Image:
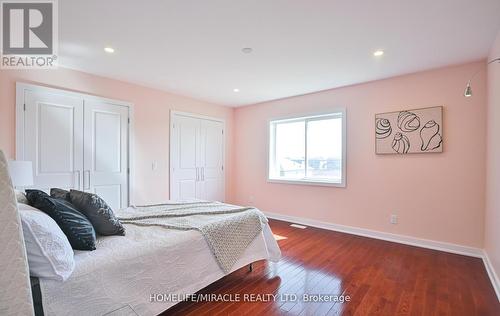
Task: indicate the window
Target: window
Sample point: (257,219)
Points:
(309,150)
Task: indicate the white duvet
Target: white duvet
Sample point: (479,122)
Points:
(120,277)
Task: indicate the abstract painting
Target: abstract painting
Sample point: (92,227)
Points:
(409,131)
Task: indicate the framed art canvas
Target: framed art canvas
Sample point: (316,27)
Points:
(409,131)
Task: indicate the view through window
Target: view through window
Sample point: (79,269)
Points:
(308,149)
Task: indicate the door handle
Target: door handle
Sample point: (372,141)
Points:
(197,174)
(77,186)
(202,173)
(87,173)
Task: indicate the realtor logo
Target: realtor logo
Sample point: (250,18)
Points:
(29,34)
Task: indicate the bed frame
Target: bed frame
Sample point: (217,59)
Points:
(16,296)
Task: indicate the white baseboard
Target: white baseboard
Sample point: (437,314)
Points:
(402,239)
(492,274)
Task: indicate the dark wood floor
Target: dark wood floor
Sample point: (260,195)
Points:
(381,278)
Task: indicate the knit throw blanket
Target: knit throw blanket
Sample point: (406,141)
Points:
(228,229)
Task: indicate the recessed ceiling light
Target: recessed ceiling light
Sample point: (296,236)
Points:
(236,90)
(378,53)
(247,50)
(109,50)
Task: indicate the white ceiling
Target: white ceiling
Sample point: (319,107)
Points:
(194,47)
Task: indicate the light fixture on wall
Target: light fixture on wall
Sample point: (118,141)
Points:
(468,88)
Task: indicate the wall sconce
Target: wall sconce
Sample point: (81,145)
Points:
(468,89)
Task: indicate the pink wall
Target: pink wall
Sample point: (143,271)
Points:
(437,196)
(492,226)
(152,110)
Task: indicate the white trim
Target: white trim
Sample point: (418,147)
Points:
(21,88)
(315,117)
(402,239)
(198,116)
(300,115)
(307,181)
(19,121)
(492,274)
(61,91)
(170,168)
(203,117)
(335,112)
(131,154)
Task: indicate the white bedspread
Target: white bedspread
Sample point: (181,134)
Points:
(125,271)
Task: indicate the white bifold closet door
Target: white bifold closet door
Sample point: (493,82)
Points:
(196,158)
(212,160)
(77,143)
(184,158)
(53,139)
(105,170)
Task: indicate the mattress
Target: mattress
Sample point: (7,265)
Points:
(127,273)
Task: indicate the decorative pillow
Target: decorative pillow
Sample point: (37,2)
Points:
(98,212)
(49,253)
(75,225)
(21,197)
(59,194)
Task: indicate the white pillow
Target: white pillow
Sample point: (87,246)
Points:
(49,252)
(21,197)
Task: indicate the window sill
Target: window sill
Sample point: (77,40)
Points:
(308,182)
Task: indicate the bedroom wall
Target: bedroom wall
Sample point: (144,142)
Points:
(492,226)
(436,196)
(152,112)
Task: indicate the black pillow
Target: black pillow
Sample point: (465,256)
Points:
(34,195)
(98,212)
(75,225)
(59,194)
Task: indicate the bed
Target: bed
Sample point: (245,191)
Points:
(132,274)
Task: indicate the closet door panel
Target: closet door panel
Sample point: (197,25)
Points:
(53,131)
(112,194)
(197,157)
(106,147)
(213,159)
(187,189)
(184,162)
(108,131)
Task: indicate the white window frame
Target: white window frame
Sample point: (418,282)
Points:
(308,117)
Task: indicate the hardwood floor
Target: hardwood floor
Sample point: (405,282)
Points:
(381,278)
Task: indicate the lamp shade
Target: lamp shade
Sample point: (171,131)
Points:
(21,173)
